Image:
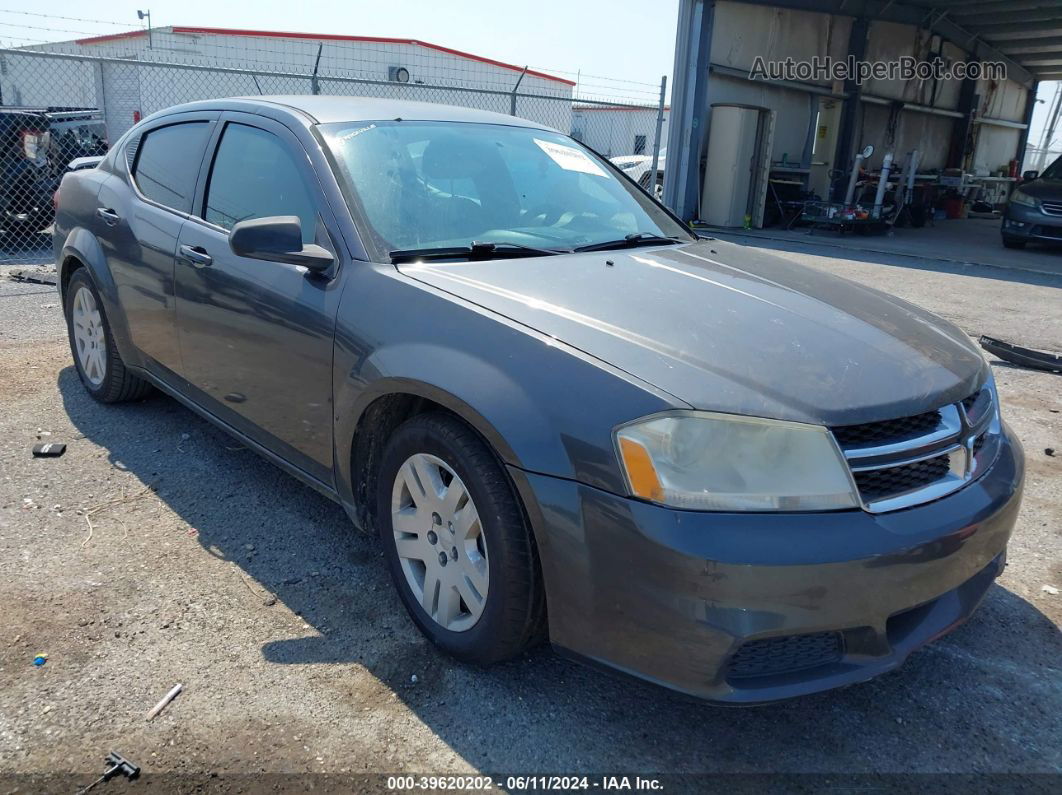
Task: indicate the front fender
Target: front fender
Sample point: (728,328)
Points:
(448,377)
(545,407)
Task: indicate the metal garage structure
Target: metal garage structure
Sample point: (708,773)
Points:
(969,124)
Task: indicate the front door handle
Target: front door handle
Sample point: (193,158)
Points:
(196,255)
(108,216)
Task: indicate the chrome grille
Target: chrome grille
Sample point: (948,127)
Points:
(876,484)
(1051,208)
(905,461)
(889,430)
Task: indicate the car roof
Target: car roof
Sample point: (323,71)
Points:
(325,109)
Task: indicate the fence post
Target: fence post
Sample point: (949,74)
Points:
(315,87)
(651,187)
(512,96)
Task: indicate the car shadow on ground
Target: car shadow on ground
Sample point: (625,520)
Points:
(986,698)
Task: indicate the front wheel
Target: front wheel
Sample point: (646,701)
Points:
(458,545)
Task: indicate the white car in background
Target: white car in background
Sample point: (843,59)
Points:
(637,167)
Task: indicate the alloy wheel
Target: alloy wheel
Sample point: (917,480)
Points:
(89,336)
(440,542)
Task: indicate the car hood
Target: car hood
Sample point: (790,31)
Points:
(728,328)
(1043,189)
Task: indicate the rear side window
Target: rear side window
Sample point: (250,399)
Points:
(168,163)
(254,176)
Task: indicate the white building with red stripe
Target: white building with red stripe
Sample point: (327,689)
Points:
(233,62)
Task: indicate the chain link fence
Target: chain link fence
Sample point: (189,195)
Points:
(57,107)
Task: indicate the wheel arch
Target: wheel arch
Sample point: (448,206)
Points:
(375,416)
(82,249)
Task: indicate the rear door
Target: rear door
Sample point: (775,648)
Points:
(257,336)
(139,216)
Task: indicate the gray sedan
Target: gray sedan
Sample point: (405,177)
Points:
(565,415)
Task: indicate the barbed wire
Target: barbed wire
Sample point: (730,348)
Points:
(581,74)
(21,25)
(68,19)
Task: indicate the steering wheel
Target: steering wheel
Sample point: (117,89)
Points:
(551,213)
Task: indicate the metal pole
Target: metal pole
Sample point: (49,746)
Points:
(512,96)
(651,187)
(1049,129)
(883,183)
(315,87)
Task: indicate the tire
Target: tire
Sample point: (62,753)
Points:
(101,369)
(1010,242)
(509,615)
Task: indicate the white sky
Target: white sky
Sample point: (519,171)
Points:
(629,42)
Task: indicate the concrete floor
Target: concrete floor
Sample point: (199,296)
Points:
(969,241)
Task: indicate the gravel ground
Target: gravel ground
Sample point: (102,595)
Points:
(158,551)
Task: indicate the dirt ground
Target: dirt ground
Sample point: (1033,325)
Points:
(158,551)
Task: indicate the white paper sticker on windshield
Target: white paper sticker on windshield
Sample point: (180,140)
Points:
(571,159)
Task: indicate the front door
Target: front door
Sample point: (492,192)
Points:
(256,337)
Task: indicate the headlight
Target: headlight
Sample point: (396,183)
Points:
(1021,197)
(722,462)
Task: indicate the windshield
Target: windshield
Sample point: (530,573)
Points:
(1053,171)
(424,185)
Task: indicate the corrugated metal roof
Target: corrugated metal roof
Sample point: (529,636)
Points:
(1028,32)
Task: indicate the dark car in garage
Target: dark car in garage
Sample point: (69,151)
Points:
(1034,211)
(565,415)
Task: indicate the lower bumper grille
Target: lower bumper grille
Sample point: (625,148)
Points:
(773,656)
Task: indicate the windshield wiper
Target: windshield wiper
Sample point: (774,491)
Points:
(476,251)
(630,241)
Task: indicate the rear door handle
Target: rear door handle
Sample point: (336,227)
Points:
(196,255)
(108,216)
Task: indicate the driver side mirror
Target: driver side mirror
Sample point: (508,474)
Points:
(278,239)
(1029,176)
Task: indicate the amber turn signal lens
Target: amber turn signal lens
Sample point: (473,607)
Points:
(640,470)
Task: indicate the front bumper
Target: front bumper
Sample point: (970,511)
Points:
(712,604)
(1030,223)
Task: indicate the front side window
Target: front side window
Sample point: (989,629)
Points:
(422,184)
(254,176)
(167,163)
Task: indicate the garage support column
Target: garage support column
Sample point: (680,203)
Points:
(961,128)
(846,142)
(688,124)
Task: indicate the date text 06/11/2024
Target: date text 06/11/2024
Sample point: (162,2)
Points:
(537,783)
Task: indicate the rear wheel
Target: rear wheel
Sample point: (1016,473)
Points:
(457,542)
(100,367)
